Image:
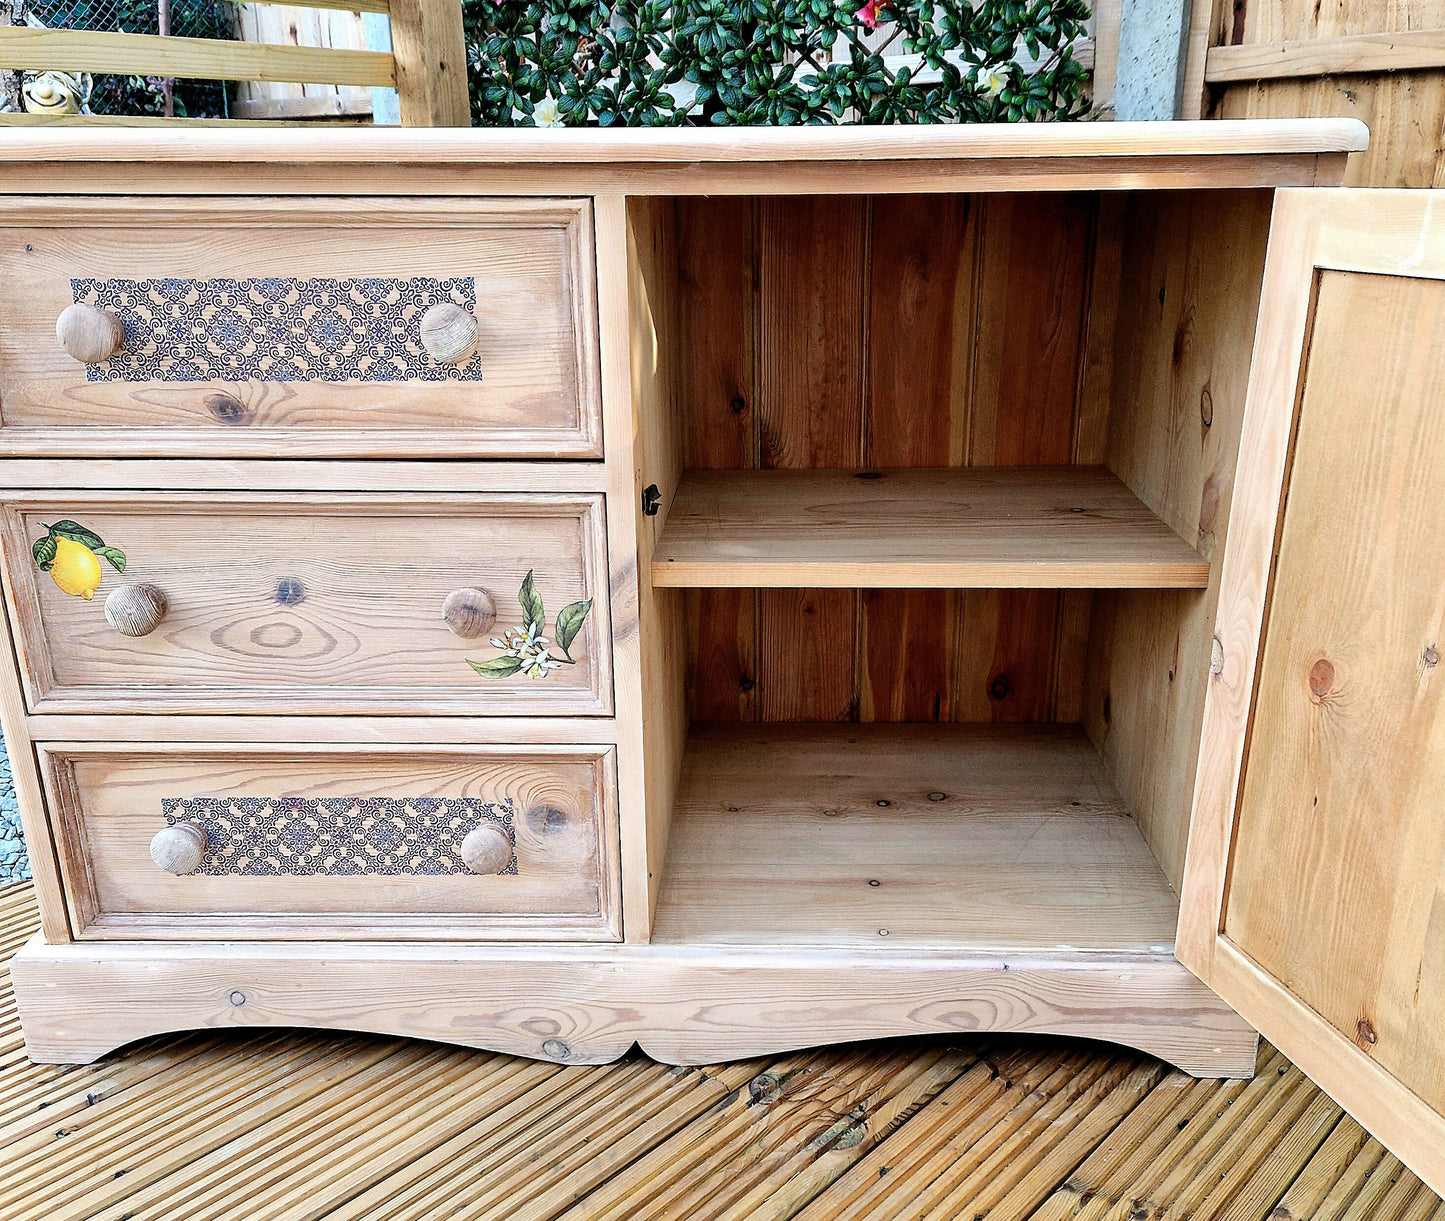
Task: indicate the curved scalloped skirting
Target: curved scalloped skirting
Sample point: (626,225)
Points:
(589,1006)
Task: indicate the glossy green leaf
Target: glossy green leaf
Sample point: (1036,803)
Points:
(114,556)
(531,601)
(569,623)
(498,667)
(44,549)
(77,533)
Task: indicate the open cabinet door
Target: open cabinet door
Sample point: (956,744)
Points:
(1314,893)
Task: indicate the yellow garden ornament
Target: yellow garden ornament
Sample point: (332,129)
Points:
(57,92)
(71,554)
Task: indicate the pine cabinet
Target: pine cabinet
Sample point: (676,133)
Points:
(732,591)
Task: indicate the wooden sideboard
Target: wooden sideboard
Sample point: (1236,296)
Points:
(731,591)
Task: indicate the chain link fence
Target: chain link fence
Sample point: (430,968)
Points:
(139,95)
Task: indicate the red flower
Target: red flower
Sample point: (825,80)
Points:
(871,12)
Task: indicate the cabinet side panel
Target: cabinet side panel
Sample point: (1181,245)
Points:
(1192,268)
(652,283)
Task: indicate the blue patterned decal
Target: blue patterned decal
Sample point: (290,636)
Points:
(337,836)
(275,329)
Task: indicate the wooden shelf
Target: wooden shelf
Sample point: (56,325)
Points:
(1045,527)
(976,839)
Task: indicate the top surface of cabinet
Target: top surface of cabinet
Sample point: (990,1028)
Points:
(1297,152)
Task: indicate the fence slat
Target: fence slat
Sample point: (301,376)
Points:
(1262,61)
(203,58)
(24,119)
(431,63)
(345,6)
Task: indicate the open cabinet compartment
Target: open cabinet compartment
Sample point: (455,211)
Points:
(942,483)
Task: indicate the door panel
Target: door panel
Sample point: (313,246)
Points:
(1337,862)
(1314,895)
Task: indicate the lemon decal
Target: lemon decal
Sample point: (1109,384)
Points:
(71,554)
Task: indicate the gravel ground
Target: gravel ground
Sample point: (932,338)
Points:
(14,864)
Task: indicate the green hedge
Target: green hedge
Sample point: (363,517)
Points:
(658,62)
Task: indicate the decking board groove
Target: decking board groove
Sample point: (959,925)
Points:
(284,1126)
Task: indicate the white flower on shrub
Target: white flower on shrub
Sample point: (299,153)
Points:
(547,113)
(990,81)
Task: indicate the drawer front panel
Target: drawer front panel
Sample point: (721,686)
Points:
(299,324)
(305,842)
(319,602)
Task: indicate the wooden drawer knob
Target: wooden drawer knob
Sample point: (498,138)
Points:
(179,849)
(449,334)
(135,610)
(469,612)
(486,850)
(90,335)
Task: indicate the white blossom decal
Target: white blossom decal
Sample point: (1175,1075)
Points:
(524,649)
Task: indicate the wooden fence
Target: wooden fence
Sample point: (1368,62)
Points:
(1380,62)
(426,66)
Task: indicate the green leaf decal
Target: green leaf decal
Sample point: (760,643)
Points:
(531,601)
(569,623)
(44,549)
(77,533)
(112,555)
(498,667)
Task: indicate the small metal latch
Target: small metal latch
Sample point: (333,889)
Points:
(651,500)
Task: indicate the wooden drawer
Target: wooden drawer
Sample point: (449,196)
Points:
(308,602)
(294,327)
(304,842)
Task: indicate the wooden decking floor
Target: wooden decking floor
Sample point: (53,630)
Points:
(289,1125)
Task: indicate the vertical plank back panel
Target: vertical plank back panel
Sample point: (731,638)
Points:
(921,314)
(1033,280)
(936,330)
(812,346)
(717,303)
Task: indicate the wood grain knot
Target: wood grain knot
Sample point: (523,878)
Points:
(1322,678)
(1431,657)
(546,820)
(999,688)
(290,591)
(1216,656)
(228,409)
(1365,1034)
(556,1049)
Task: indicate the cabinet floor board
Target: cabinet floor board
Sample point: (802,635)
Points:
(979,839)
